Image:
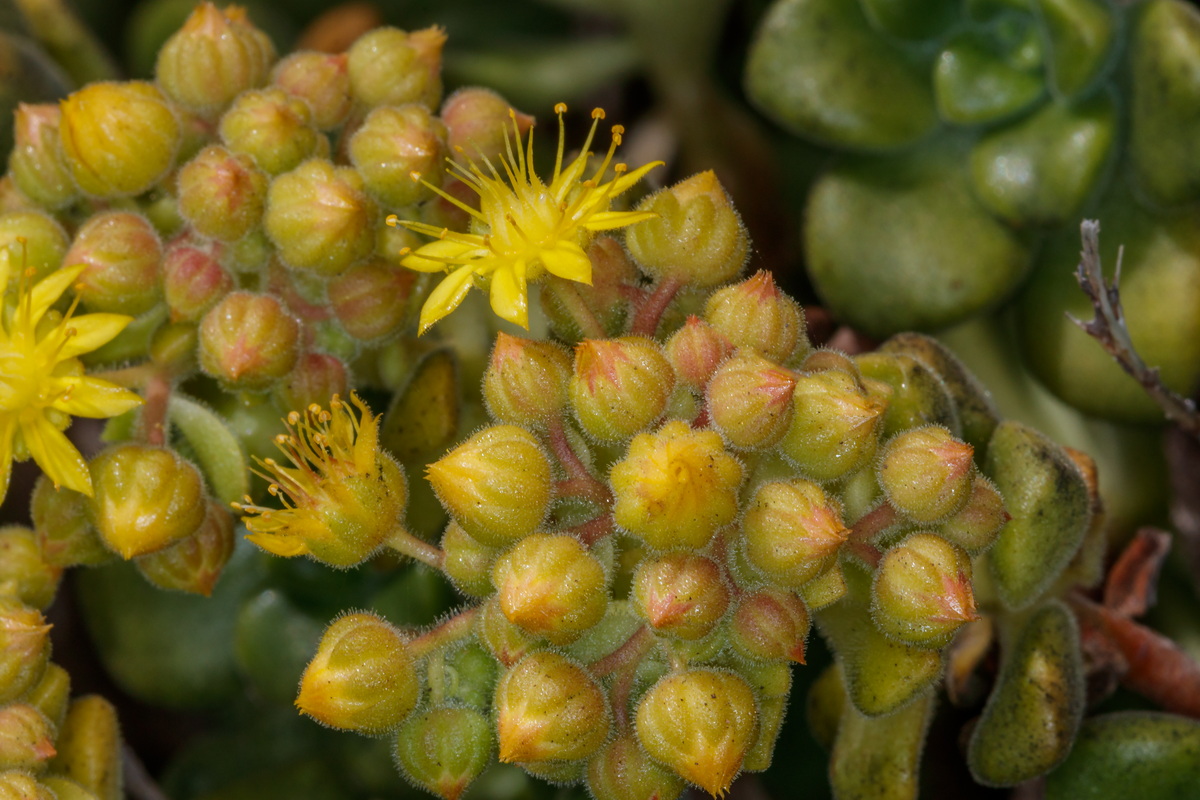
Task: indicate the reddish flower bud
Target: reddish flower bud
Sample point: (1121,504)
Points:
(320,79)
(695,350)
(392,146)
(222,194)
(478,120)
(548,708)
(391,67)
(193,281)
(770,624)
(194,563)
(26,738)
(977,524)
(756,314)
(23,569)
(122,252)
(35,163)
(370,299)
(680,593)
(750,401)
(248,340)
(66,536)
(926,473)
(320,219)
(835,425)
(922,591)
(792,531)
(315,378)
(525,382)
(24,648)
(550,585)
(273,128)
(611,270)
(620,386)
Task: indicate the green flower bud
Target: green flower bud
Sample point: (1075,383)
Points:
(193,280)
(248,340)
(194,563)
(221,194)
(393,146)
(35,163)
(750,401)
(792,531)
(835,425)
(315,378)
(51,694)
(89,747)
(390,67)
(694,351)
(700,722)
(478,121)
(696,237)
(24,648)
(496,484)
(118,139)
(623,771)
(273,128)
(370,299)
(507,642)
(977,524)
(550,585)
(467,563)
(548,708)
(24,570)
(676,487)
(922,591)
(66,536)
(320,218)
(23,786)
(771,684)
(620,386)
(35,240)
(770,625)
(26,738)
(122,252)
(680,593)
(917,395)
(362,678)
(320,79)
(173,348)
(145,498)
(525,382)
(215,56)
(926,473)
(754,314)
(443,749)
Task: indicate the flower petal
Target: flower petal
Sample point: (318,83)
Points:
(568,260)
(91,397)
(91,332)
(286,546)
(607,220)
(510,295)
(443,254)
(626,181)
(446,296)
(55,454)
(50,288)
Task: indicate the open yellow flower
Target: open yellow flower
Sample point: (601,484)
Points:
(42,384)
(523,228)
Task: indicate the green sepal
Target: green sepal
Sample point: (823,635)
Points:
(216,449)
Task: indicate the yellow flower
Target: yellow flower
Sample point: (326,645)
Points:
(523,228)
(42,384)
(343,496)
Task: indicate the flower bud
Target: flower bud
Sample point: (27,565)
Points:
(362,678)
(835,425)
(273,128)
(675,487)
(24,570)
(700,722)
(390,67)
(694,351)
(548,708)
(623,771)
(23,786)
(370,299)
(51,694)
(770,625)
(66,536)
(320,79)
(922,591)
(118,139)
(525,382)
(248,340)
(26,738)
(696,237)
(145,498)
(393,144)
(792,531)
(496,484)
(24,648)
(122,252)
(89,747)
(173,348)
(214,57)
(194,563)
(611,271)
(620,386)
(478,121)
(320,218)
(35,240)
(680,593)
(750,401)
(507,642)
(466,562)
(193,280)
(550,585)
(222,194)
(443,749)
(35,163)
(755,314)
(926,473)
(977,524)
(315,378)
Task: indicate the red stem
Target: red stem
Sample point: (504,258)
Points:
(580,482)
(593,530)
(624,661)
(650,309)
(449,631)
(154,411)
(874,522)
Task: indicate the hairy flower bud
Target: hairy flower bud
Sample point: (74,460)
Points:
(466,562)
(750,401)
(362,678)
(675,487)
(393,144)
(478,121)
(792,531)
(550,585)
(770,624)
(320,79)
(696,236)
(623,771)
(35,240)
(274,129)
(193,280)
(508,643)
(496,484)
(222,194)
(51,694)
(755,314)
(214,57)
(525,382)
(35,164)
(122,252)
(315,378)
(926,473)
(835,425)
(24,647)
(391,67)
(118,139)
(680,593)
(977,524)
(548,708)
(24,570)
(700,722)
(620,386)
(370,299)
(922,591)
(145,498)
(695,350)
(248,340)
(194,563)
(26,738)
(320,218)
(89,747)
(66,535)
(443,749)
